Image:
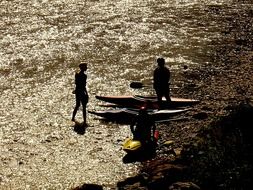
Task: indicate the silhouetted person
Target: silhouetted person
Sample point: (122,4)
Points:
(81,92)
(161,78)
(143,126)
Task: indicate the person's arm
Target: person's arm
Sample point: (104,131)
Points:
(168,75)
(132,126)
(154,128)
(76,75)
(74,91)
(153,125)
(155,75)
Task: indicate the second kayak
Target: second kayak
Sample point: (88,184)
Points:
(138,101)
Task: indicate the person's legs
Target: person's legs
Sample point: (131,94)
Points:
(76,108)
(136,136)
(84,102)
(167,96)
(159,98)
(166,93)
(84,113)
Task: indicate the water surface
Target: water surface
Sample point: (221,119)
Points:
(43,41)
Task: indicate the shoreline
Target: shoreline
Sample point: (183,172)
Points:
(226,89)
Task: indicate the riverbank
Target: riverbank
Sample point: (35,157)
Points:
(214,146)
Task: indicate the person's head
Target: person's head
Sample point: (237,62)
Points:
(160,62)
(83,66)
(143,110)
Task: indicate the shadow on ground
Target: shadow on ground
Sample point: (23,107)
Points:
(80,128)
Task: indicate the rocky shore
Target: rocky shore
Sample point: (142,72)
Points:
(213,146)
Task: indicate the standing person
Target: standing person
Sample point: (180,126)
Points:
(161,78)
(80,91)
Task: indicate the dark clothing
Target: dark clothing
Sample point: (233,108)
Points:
(81,94)
(80,81)
(143,127)
(81,98)
(161,79)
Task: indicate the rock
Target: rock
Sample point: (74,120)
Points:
(168,143)
(184,186)
(132,182)
(201,115)
(89,187)
(164,175)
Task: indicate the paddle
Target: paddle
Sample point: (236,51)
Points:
(138,85)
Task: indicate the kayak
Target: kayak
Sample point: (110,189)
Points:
(120,100)
(119,115)
(137,101)
(126,115)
